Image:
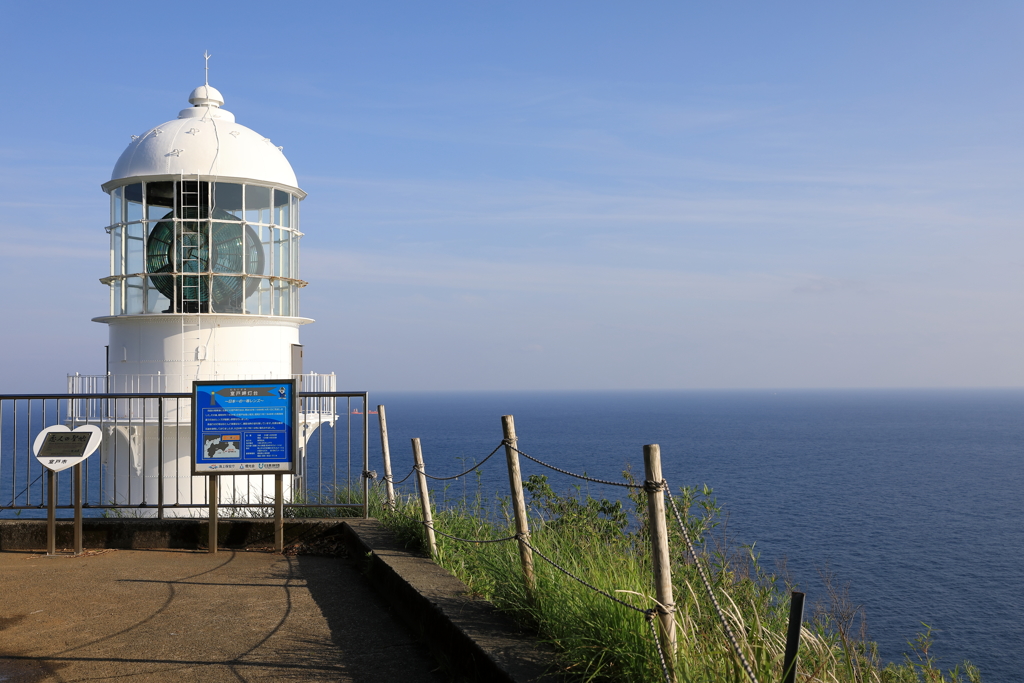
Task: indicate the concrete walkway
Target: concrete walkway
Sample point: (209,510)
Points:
(172,615)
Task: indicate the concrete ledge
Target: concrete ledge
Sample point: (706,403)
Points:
(179,534)
(467,634)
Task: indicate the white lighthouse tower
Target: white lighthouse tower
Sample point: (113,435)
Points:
(204,283)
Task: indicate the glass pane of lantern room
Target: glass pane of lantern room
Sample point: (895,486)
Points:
(116,307)
(266,239)
(252,299)
(133,199)
(155,301)
(227,198)
(116,254)
(133,297)
(115,206)
(284,238)
(134,251)
(226,293)
(257,204)
(282,202)
(266,294)
(159,200)
(283,298)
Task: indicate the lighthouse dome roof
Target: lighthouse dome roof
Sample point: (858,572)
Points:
(204,140)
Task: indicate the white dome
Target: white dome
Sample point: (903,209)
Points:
(205,140)
(206,95)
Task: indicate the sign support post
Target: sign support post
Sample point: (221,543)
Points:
(279,513)
(51,513)
(76,485)
(214,494)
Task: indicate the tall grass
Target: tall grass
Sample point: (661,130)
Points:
(607,545)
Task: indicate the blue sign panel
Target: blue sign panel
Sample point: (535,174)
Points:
(243,427)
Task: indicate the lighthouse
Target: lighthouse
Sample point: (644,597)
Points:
(203,285)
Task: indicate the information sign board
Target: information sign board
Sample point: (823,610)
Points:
(244,427)
(58,447)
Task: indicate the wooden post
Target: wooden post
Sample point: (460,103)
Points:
(659,552)
(51,512)
(279,513)
(386,452)
(76,482)
(421,479)
(796,617)
(515,481)
(212,542)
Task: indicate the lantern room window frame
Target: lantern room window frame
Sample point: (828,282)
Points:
(268,217)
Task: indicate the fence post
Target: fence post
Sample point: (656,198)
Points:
(421,479)
(796,617)
(366,457)
(659,551)
(515,480)
(160,459)
(386,452)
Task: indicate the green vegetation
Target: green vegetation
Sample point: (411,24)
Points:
(599,541)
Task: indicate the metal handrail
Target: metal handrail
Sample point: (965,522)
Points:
(140,475)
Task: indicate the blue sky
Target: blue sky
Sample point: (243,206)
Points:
(561,195)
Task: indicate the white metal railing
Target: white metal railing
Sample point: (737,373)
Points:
(164,384)
(145,456)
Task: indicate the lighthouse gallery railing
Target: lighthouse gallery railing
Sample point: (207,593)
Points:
(143,467)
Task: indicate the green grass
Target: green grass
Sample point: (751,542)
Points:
(608,546)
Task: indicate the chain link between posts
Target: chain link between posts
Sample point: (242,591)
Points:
(471,540)
(462,474)
(707,586)
(430,476)
(567,472)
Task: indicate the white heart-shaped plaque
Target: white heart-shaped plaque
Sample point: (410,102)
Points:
(58,448)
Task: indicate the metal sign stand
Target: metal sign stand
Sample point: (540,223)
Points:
(57,448)
(214,494)
(76,487)
(279,513)
(51,513)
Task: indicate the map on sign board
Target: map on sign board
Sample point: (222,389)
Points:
(244,427)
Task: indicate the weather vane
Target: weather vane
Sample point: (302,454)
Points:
(206,56)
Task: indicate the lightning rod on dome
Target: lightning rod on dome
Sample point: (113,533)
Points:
(206,56)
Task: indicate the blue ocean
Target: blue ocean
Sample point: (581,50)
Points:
(913,498)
